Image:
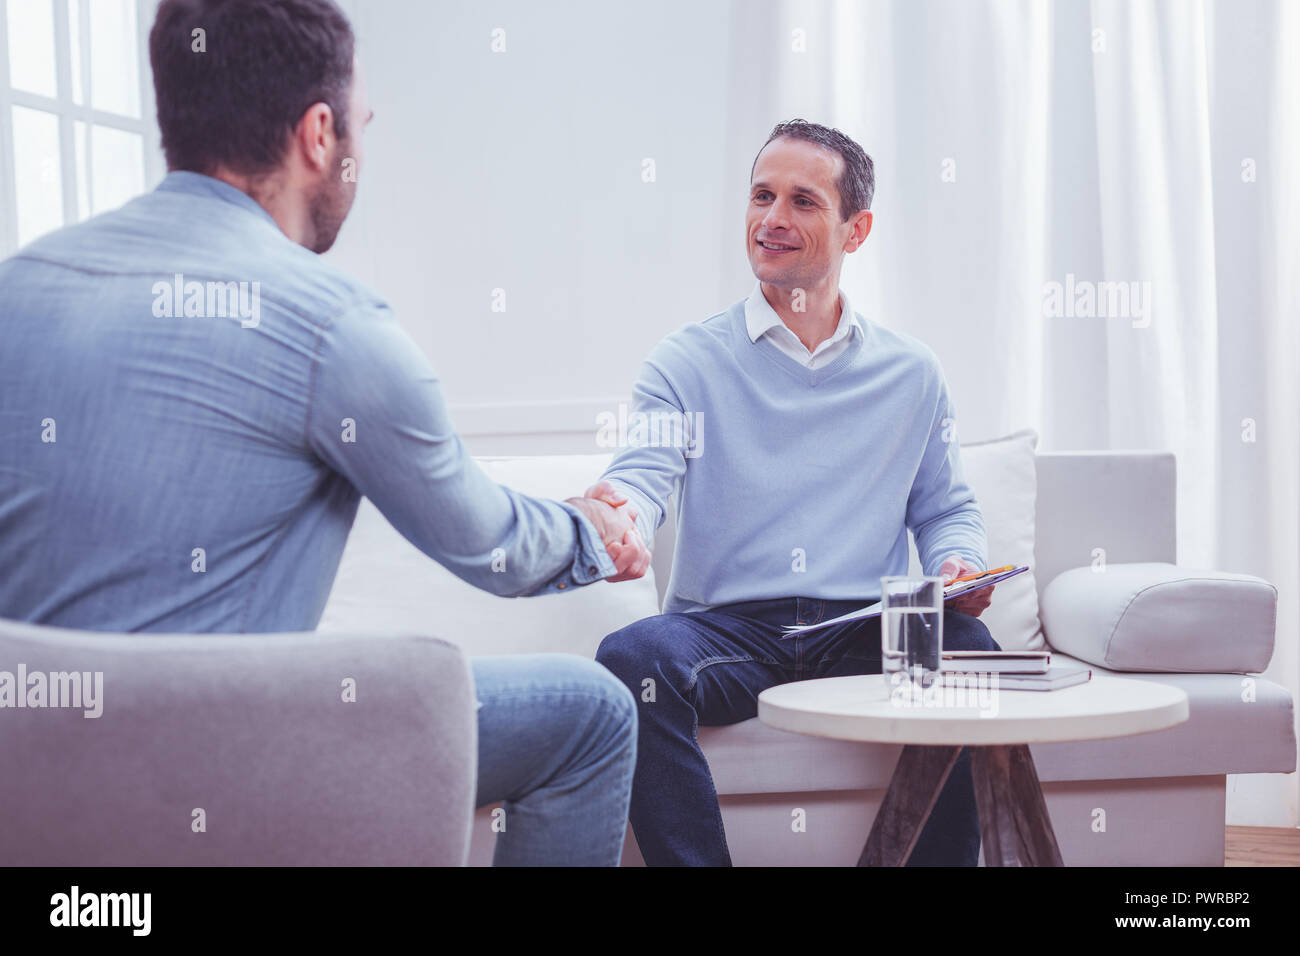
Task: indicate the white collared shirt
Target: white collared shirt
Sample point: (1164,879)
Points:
(761,319)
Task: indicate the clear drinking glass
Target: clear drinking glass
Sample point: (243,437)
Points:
(911,627)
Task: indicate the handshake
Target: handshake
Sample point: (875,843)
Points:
(607,509)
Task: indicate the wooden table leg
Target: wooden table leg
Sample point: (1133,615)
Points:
(913,790)
(1014,825)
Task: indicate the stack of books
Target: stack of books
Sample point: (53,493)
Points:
(1016,670)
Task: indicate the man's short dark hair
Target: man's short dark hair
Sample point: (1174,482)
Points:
(857,182)
(231,95)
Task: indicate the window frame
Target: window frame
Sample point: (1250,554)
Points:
(68,113)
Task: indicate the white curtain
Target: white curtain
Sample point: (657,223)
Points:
(1152,144)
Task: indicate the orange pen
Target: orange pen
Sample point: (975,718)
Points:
(980,574)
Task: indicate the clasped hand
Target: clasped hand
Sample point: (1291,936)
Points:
(615,521)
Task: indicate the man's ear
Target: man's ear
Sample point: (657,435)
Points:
(314,136)
(861,228)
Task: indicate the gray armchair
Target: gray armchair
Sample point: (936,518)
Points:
(279,749)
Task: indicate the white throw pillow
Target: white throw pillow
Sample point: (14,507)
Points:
(387,585)
(1004,476)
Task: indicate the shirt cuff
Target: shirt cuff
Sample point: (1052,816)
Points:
(592,562)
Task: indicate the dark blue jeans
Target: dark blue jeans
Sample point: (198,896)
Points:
(708,668)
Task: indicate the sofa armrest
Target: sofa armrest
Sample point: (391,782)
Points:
(1162,618)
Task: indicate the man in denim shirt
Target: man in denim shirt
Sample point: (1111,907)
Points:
(192,403)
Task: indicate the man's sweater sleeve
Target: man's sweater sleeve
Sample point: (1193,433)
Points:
(649,473)
(941,509)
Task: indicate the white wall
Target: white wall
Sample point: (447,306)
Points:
(523,171)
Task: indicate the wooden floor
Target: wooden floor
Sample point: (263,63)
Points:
(1261,846)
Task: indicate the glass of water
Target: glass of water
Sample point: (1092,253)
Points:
(911,628)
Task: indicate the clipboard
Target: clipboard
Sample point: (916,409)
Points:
(875,610)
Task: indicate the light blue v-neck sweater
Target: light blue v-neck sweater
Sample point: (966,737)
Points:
(791,482)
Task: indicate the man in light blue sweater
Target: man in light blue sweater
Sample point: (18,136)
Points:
(811,440)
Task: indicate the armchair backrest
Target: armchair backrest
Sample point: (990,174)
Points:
(278,749)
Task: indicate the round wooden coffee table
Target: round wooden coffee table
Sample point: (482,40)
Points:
(998,727)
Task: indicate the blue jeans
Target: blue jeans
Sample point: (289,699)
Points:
(557,744)
(708,668)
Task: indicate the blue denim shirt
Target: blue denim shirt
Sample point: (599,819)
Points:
(191,406)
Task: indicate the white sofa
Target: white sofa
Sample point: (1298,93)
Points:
(1154,799)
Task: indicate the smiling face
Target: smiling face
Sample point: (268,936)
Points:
(794,234)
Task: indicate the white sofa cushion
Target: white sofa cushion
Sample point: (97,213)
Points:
(1004,476)
(386,584)
(1160,617)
